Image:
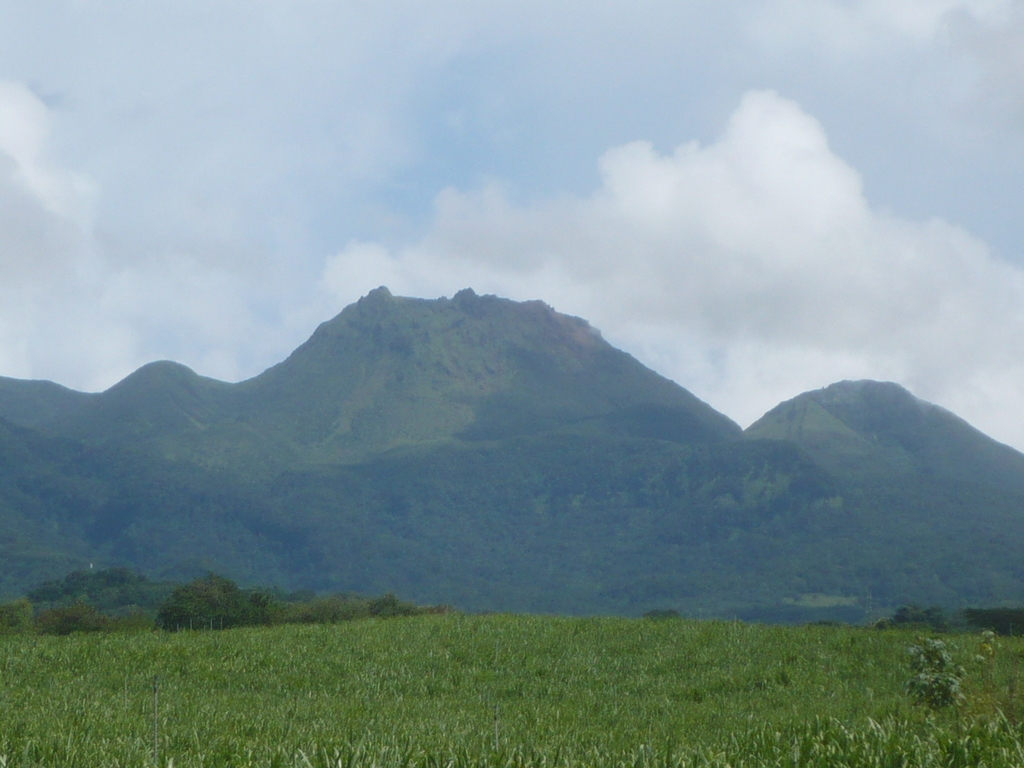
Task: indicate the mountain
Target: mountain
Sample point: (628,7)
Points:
(393,372)
(944,501)
(498,455)
(864,428)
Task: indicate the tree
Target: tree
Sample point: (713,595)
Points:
(910,615)
(215,602)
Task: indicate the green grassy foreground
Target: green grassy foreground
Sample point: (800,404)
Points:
(430,690)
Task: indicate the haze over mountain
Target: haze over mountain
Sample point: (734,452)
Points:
(499,455)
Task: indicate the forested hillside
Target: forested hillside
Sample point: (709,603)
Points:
(497,455)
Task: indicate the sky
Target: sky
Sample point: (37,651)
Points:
(753,197)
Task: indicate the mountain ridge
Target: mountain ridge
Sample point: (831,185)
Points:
(36,402)
(499,455)
(389,372)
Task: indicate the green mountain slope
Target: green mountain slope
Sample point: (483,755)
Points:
(35,403)
(64,505)
(560,523)
(871,428)
(568,524)
(393,372)
(36,497)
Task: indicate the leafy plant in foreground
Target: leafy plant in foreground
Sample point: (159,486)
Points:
(937,677)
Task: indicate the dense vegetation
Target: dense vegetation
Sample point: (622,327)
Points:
(552,524)
(500,456)
(503,691)
(117,600)
(112,591)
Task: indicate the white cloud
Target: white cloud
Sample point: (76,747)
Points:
(846,27)
(83,310)
(24,131)
(749,269)
(968,53)
(996,44)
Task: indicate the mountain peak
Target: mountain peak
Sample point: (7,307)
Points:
(880,411)
(159,371)
(391,371)
(376,298)
(878,427)
(888,394)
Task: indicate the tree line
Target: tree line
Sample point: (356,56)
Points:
(117,599)
(1001,621)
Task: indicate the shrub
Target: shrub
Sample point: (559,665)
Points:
(916,616)
(335,608)
(325,610)
(1003,621)
(78,617)
(136,621)
(937,678)
(388,606)
(16,617)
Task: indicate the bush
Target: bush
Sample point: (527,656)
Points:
(915,616)
(214,602)
(325,610)
(660,614)
(136,621)
(16,617)
(78,617)
(1002,621)
(937,678)
(335,608)
(388,606)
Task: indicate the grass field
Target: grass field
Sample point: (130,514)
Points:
(498,690)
